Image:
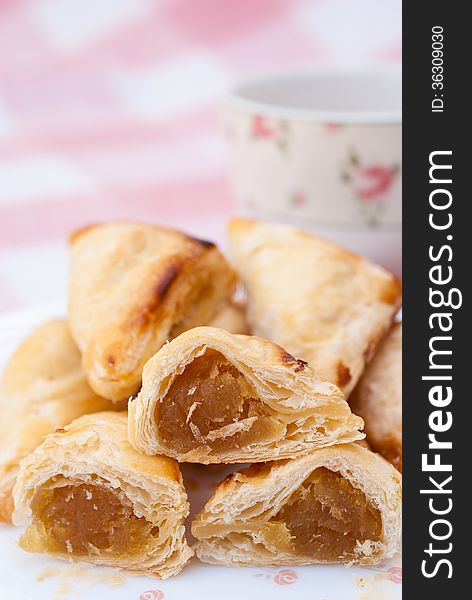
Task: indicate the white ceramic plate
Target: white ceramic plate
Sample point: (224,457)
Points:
(26,576)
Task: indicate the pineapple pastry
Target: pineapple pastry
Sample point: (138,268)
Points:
(42,387)
(340,504)
(133,287)
(210,396)
(85,494)
(320,302)
(378,398)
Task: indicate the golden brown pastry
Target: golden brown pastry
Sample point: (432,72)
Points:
(213,397)
(317,300)
(134,286)
(340,504)
(232,318)
(378,398)
(85,494)
(43,387)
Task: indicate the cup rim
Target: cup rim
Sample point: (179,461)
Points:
(238,101)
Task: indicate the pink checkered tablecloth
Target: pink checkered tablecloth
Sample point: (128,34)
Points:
(109,110)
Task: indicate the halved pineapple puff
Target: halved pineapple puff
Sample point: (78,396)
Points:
(86,494)
(340,504)
(210,396)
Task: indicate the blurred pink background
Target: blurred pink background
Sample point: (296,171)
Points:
(109,110)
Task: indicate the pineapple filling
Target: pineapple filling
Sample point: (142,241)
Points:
(212,404)
(326,517)
(83,520)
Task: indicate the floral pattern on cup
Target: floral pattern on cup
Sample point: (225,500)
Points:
(370,184)
(298,198)
(152,595)
(286,577)
(333,127)
(263,129)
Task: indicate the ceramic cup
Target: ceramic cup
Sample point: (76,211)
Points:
(322,149)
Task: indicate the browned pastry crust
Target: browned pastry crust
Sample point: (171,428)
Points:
(86,494)
(209,396)
(134,286)
(43,387)
(317,300)
(378,398)
(232,318)
(337,504)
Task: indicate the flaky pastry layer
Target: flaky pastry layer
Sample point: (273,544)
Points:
(86,494)
(271,405)
(43,387)
(134,286)
(378,398)
(263,516)
(322,303)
